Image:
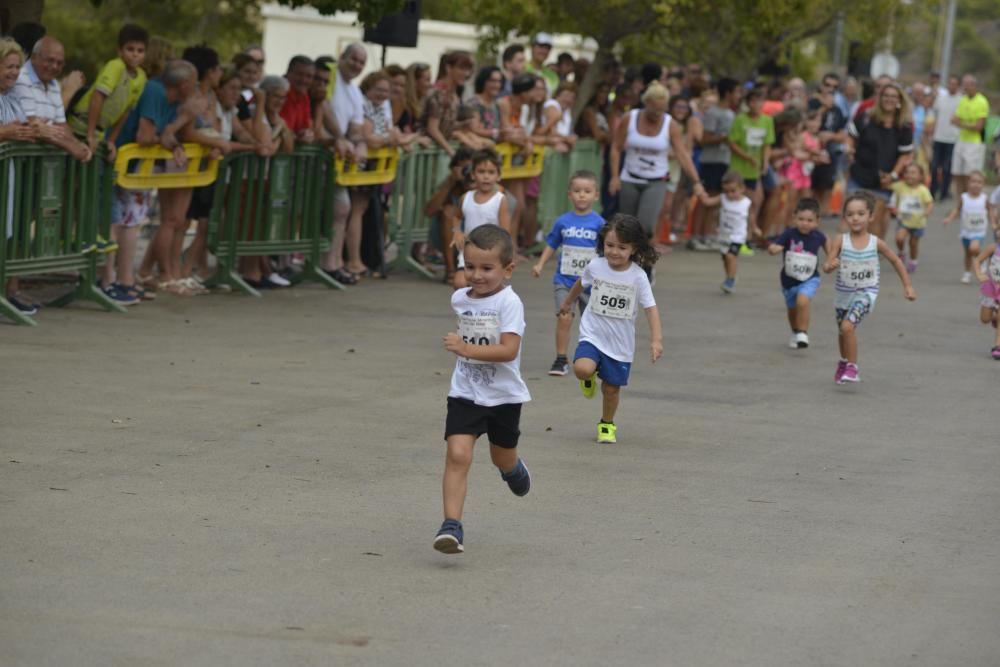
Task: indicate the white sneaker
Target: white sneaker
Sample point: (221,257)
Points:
(278,280)
(802,339)
(966,278)
(793,342)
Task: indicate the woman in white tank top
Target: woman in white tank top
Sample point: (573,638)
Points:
(646,137)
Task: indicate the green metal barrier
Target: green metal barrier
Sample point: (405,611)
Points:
(418,176)
(421,171)
(52,208)
(272,206)
(553,200)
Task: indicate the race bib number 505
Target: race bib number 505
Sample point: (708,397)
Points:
(479,330)
(612,299)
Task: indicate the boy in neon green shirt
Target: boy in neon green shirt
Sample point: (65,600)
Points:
(105,106)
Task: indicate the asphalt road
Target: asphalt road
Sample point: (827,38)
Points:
(223,481)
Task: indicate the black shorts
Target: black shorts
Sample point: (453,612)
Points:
(824,175)
(731,249)
(501,423)
(711,175)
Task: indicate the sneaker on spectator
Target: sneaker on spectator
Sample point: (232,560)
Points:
(105,246)
(560,366)
(746,251)
(449,537)
(278,280)
(850,374)
(22,305)
(518,479)
(966,278)
(120,295)
(801,340)
(793,342)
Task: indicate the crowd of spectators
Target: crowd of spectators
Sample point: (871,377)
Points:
(667,135)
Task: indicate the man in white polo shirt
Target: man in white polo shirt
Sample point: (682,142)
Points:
(348,109)
(37,91)
(944,136)
(970,117)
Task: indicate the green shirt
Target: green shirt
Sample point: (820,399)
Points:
(122,90)
(549,76)
(753,135)
(970,110)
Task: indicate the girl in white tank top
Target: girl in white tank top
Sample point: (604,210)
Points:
(973,216)
(492,210)
(646,158)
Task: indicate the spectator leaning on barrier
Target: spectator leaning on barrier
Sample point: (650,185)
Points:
(13,127)
(297,111)
(159,52)
(153,122)
(256,54)
(488,84)
(440,113)
(565,66)
(104,107)
(250,76)
(513,63)
(944,136)
(37,92)
(557,119)
(970,118)
(418,86)
(348,106)
(541,47)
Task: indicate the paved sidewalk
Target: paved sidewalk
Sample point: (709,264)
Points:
(222,481)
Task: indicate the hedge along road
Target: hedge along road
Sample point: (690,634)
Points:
(226,481)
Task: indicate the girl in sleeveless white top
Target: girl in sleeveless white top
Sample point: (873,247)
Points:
(973,215)
(493,211)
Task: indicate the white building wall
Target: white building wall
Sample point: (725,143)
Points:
(289,32)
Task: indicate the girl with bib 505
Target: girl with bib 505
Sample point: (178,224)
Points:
(619,287)
(855,256)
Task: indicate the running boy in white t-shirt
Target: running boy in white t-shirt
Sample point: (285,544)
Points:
(486,387)
(734,216)
(973,211)
(484,205)
(619,287)
(576,233)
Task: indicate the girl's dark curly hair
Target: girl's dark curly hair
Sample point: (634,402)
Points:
(628,229)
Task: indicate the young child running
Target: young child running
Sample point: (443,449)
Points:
(800,271)
(576,233)
(618,285)
(989,306)
(911,203)
(486,387)
(973,210)
(485,205)
(855,255)
(734,215)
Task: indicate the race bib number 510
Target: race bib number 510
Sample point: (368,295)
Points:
(479,330)
(611,299)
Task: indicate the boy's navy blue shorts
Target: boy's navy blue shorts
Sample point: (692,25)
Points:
(609,369)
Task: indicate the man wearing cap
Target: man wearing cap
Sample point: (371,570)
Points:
(541,46)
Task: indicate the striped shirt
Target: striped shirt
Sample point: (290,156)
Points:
(858,273)
(38,99)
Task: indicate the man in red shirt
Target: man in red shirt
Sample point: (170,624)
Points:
(297,110)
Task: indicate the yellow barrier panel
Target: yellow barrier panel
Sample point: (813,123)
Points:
(518,165)
(380,168)
(200,170)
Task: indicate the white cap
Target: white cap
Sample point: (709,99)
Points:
(542,38)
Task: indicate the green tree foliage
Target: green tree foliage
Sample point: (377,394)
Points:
(977,31)
(89,31)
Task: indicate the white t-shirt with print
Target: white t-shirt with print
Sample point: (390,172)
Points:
(347,104)
(733,217)
(482,321)
(616,298)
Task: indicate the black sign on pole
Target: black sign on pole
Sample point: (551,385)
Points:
(397,29)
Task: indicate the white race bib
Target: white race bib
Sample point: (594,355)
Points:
(730,223)
(575,259)
(859,274)
(479,330)
(973,224)
(910,207)
(994,269)
(755,136)
(610,299)
(800,265)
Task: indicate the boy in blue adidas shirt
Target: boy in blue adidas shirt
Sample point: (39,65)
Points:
(576,233)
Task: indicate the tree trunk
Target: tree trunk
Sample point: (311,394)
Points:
(595,73)
(13,12)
